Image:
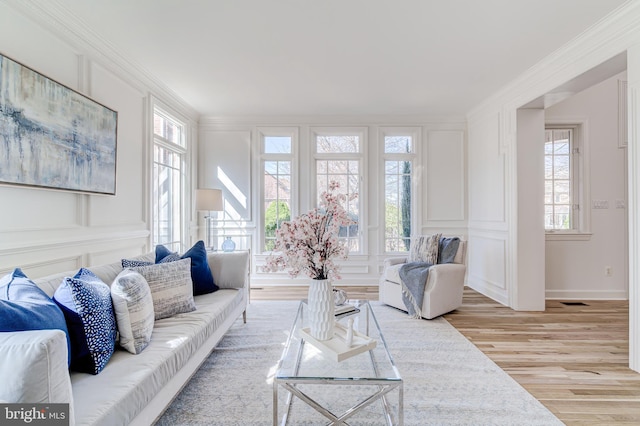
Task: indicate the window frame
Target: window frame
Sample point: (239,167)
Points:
(414,158)
(264,132)
(361,156)
(181,149)
(580,183)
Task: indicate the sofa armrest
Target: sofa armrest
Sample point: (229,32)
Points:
(230,270)
(394,261)
(34,367)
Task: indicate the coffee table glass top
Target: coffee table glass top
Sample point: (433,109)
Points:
(302,360)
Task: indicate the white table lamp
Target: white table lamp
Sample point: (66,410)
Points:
(209,200)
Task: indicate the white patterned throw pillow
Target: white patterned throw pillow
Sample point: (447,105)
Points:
(425,249)
(171,287)
(133,306)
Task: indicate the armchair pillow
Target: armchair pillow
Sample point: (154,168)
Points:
(425,249)
(448,249)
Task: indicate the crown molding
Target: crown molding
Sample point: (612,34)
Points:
(609,37)
(63,23)
(445,122)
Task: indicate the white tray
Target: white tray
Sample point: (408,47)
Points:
(336,348)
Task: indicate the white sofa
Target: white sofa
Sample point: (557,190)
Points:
(443,290)
(132,389)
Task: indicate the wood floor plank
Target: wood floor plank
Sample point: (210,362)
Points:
(573,358)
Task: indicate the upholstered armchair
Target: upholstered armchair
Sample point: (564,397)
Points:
(443,289)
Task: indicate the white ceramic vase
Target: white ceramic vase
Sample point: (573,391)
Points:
(321,309)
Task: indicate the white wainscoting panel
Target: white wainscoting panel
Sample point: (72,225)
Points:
(128,205)
(486,169)
(37,269)
(445,176)
(225,162)
(486,257)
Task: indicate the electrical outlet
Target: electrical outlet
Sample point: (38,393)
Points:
(608,271)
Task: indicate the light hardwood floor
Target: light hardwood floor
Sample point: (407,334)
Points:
(572,358)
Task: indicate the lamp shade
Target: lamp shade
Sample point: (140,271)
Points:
(209,199)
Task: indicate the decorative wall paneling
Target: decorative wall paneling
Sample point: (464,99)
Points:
(42,224)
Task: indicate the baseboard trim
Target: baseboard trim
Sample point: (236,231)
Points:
(586,295)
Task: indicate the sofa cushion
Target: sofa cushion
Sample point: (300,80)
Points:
(200,271)
(171,287)
(141,377)
(86,303)
(133,306)
(24,306)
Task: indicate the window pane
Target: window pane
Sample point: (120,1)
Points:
(277,145)
(167,197)
(337,144)
(561,166)
(561,192)
(277,198)
(167,128)
(391,167)
(397,205)
(548,167)
(397,145)
(271,167)
(558,175)
(548,192)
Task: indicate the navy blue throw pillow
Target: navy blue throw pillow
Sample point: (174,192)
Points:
(24,306)
(129,263)
(200,271)
(86,303)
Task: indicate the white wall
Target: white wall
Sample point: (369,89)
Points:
(441,181)
(576,268)
(492,126)
(45,231)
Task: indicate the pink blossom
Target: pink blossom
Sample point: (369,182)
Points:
(309,243)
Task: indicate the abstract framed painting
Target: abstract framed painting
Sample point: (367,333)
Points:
(52,136)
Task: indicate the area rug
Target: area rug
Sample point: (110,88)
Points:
(447,380)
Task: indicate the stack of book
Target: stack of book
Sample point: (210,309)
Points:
(345,310)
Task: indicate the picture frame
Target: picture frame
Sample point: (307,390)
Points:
(52,136)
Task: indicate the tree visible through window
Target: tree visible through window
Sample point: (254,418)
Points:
(398,162)
(277,175)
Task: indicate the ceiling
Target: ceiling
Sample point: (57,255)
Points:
(336,57)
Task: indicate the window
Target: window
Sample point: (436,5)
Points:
(561,179)
(277,177)
(168,179)
(398,157)
(339,158)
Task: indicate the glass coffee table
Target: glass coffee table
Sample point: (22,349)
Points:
(366,387)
